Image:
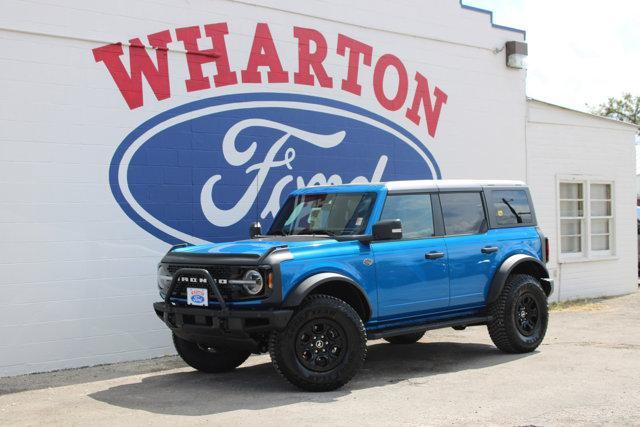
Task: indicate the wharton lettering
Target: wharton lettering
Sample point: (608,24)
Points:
(422,105)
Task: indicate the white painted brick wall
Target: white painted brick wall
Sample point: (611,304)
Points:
(78,276)
(563,142)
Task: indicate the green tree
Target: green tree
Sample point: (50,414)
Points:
(625,109)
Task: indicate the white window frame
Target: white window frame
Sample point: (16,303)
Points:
(587,253)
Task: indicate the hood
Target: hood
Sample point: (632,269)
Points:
(256,247)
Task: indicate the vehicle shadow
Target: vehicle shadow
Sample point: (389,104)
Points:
(258,386)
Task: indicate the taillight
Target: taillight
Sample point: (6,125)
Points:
(545,255)
(544,246)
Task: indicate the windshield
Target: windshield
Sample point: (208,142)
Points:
(333,214)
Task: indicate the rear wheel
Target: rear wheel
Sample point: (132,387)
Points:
(519,316)
(322,347)
(406,338)
(209,359)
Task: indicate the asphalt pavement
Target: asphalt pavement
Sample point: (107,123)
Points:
(587,371)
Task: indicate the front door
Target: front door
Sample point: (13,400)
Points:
(412,273)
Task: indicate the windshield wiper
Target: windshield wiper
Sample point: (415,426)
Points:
(308,231)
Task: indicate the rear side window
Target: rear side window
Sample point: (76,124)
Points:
(510,207)
(463,213)
(414,211)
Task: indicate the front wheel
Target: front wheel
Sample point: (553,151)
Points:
(519,316)
(322,347)
(209,359)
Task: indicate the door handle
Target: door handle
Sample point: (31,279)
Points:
(489,249)
(433,255)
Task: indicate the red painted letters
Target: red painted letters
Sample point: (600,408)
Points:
(311,68)
(356,48)
(264,54)
(379,72)
(308,60)
(196,57)
(130,84)
(431,112)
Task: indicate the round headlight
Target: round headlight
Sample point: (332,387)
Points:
(256,284)
(164,279)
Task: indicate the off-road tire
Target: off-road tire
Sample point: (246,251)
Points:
(504,329)
(405,338)
(287,358)
(207,359)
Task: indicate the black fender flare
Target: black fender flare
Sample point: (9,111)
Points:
(304,288)
(505,269)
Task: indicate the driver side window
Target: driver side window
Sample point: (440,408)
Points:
(414,210)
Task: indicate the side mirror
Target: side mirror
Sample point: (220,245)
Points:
(254,230)
(389,229)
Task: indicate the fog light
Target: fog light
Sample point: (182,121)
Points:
(253,282)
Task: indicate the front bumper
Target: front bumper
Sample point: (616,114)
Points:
(221,327)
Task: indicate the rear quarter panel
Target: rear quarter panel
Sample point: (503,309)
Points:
(512,241)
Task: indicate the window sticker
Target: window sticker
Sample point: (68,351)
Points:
(314,214)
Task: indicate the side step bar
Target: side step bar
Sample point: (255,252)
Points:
(460,322)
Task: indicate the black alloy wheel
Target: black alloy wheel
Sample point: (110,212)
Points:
(527,315)
(321,345)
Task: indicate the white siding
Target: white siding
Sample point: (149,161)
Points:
(561,143)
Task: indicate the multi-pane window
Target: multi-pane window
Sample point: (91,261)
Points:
(571,216)
(601,217)
(586,218)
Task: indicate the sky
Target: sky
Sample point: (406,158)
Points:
(580,52)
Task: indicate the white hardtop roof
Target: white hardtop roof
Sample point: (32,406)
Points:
(448,184)
(424,184)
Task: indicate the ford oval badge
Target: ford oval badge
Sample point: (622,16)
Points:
(203,171)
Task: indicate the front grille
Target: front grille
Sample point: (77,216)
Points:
(229,292)
(216,271)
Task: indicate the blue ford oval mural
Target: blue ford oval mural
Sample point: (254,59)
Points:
(205,170)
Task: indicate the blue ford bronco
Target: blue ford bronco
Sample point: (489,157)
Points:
(344,264)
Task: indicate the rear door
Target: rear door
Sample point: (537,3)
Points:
(413,272)
(472,250)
